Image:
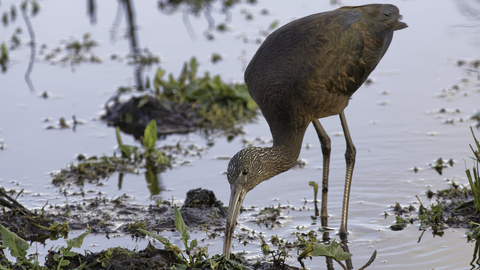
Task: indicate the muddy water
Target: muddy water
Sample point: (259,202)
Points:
(395,123)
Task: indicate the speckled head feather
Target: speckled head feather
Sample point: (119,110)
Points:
(258,164)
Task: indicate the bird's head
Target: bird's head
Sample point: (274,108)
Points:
(246,168)
(389,15)
(245,171)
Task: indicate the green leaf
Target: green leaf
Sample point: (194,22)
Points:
(77,241)
(143,100)
(194,243)
(80,267)
(158,81)
(315,187)
(183,75)
(150,135)
(128,118)
(17,246)
(161,158)
(4,49)
(65,263)
(251,105)
(400,220)
(181,227)
(147,82)
(193,68)
(273,25)
(69,254)
(35,7)
(162,239)
(125,148)
(237,265)
(334,250)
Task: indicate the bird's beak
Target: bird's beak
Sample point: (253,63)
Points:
(399,25)
(237,195)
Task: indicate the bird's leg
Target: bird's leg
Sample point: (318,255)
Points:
(326,149)
(344,245)
(350,160)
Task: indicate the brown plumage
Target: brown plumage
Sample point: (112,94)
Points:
(306,70)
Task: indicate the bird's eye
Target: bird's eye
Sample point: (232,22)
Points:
(245,171)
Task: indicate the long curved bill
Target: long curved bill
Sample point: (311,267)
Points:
(236,199)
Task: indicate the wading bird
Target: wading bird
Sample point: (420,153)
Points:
(306,70)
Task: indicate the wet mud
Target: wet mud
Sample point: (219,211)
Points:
(119,216)
(200,211)
(133,116)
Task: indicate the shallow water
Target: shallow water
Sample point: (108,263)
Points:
(394,122)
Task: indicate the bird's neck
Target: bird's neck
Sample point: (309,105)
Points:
(286,149)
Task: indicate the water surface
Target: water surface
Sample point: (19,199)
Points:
(394,122)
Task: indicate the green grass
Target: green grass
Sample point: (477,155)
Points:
(474,178)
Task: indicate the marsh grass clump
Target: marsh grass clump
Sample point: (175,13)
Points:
(403,216)
(454,192)
(432,217)
(75,52)
(195,256)
(280,254)
(218,103)
(4,58)
(183,104)
(474,176)
(400,224)
(92,170)
(441,164)
(268,216)
(456,206)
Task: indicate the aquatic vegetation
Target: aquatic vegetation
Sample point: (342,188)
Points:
(268,216)
(315,193)
(95,168)
(8,18)
(400,224)
(194,7)
(19,248)
(144,58)
(281,253)
(197,256)
(183,104)
(216,58)
(456,206)
(4,57)
(206,7)
(65,252)
(332,250)
(150,153)
(431,217)
(34,6)
(76,52)
(474,236)
(218,103)
(441,164)
(90,170)
(474,178)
